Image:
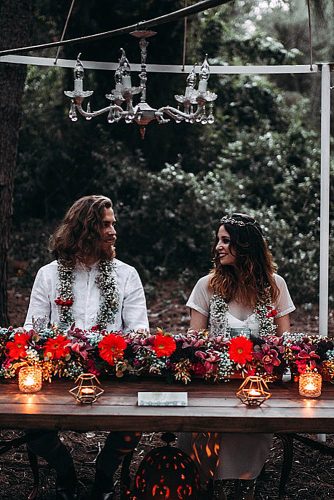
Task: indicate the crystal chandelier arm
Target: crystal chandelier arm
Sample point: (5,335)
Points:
(92,114)
(177,114)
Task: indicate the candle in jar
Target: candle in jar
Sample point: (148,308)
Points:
(30,379)
(310,384)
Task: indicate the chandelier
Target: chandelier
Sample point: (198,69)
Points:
(197,103)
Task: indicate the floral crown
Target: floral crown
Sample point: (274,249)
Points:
(229,220)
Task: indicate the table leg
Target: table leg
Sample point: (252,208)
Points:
(287,441)
(125,479)
(33,460)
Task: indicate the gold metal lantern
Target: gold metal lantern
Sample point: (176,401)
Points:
(86,390)
(253,391)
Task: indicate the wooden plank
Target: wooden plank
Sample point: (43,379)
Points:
(152,420)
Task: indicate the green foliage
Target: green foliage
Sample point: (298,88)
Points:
(261,155)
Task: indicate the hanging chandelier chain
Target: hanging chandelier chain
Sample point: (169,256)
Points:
(64,30)
(166,18)
(185,29)
(310,33)
(143,44)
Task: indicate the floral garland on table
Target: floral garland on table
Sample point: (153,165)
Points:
(264,312)
(180,357)
(106,282)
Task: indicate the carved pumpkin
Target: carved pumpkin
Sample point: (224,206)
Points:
(166,473)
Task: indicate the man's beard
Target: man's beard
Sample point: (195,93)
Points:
(108,250)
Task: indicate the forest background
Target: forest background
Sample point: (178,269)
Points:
(261,156)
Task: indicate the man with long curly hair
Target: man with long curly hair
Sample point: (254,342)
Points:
(86,286)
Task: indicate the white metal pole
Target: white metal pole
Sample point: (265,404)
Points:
(324,199)
(162,68)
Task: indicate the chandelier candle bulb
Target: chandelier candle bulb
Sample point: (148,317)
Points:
(78,85)
(30,379)
(310,384)
(202,86)
(126,81)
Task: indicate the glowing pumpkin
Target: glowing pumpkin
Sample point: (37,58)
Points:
(166,472)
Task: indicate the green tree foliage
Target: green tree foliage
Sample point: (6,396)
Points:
(260,156)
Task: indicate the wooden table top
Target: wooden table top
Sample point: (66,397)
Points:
(211,407)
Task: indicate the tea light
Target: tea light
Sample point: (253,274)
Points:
(30,379)
(253,391)
(86,391)
(310,384)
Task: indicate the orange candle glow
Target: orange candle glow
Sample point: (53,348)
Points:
(30,379)
(310,384)
(87,390)
(254,392)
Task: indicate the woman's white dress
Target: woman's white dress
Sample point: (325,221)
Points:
(231,455)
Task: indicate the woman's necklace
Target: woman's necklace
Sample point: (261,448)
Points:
(109,295)
(264,313)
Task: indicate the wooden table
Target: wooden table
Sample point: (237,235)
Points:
(211,407)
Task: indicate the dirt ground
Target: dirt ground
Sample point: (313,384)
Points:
(312,477)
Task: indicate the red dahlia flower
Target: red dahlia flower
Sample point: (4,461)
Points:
(164,345)
(57,348)
(240,350)
(112,348)
(17,347)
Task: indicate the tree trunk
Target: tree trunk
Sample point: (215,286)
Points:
(15,28)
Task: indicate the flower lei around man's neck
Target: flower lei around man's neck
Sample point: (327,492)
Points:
(264,312)
(106,282)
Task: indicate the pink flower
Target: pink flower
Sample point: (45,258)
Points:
(199,369)
(91,367)
(80,348)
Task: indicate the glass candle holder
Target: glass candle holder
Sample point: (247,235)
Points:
(30,379)
(310,384)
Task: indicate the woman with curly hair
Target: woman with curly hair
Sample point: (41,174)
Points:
(242,295)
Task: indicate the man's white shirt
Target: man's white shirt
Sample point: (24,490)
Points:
(131,314)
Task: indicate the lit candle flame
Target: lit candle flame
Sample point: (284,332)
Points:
(254,393)
(29,380)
